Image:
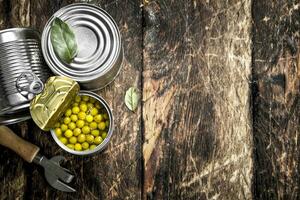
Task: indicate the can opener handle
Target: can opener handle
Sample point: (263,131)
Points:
(23,148)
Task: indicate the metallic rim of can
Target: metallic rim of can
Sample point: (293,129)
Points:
(103,23)
(12,110)
(104,143)
(120,60)
(18,34)
(8,120)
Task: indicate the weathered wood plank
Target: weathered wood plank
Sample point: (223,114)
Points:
(13,170)
(196,98)
(197,59)
(115,173)
(122,169)
(20,13)
(276,73)
(3,13)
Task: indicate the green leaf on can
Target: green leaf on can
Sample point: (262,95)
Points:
(132,98)
(63,40)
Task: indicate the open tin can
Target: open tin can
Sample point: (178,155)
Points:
(100,52)
(22,73)
(104,143)
(48,107)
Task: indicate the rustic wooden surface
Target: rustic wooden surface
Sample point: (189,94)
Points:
(219,114)
(276,73)
(196,100)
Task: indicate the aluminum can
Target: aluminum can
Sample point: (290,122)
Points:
(48,107)
(105,142)
(15,118)
(100,52)
(22,72)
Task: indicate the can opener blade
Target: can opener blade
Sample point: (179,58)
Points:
(56,176)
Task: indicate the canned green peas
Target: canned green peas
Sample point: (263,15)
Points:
(84,125)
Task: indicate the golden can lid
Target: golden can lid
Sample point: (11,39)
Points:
(47,107)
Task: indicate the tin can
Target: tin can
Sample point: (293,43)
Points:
(48,107)
(15,118)
(22,72)
(100,52)
(105,142)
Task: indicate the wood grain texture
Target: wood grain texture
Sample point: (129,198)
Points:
(13,170)
(3,14)
(23,148)
(20,13)
(197,63)
(191,137)
(276,73)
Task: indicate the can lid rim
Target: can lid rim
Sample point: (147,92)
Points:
(86,76)
(18,29)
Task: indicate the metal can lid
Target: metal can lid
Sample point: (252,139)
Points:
(98,40)
(47,107)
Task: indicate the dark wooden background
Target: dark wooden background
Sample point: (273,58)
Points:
(219,117)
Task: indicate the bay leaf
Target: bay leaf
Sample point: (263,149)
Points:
(63,40)
(132,98)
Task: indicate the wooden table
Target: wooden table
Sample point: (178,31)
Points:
(219,117)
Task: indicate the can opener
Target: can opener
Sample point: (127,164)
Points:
(56,175)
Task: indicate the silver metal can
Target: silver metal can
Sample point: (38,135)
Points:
(105,142)
(22,71)
(15,118)
(100,52)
